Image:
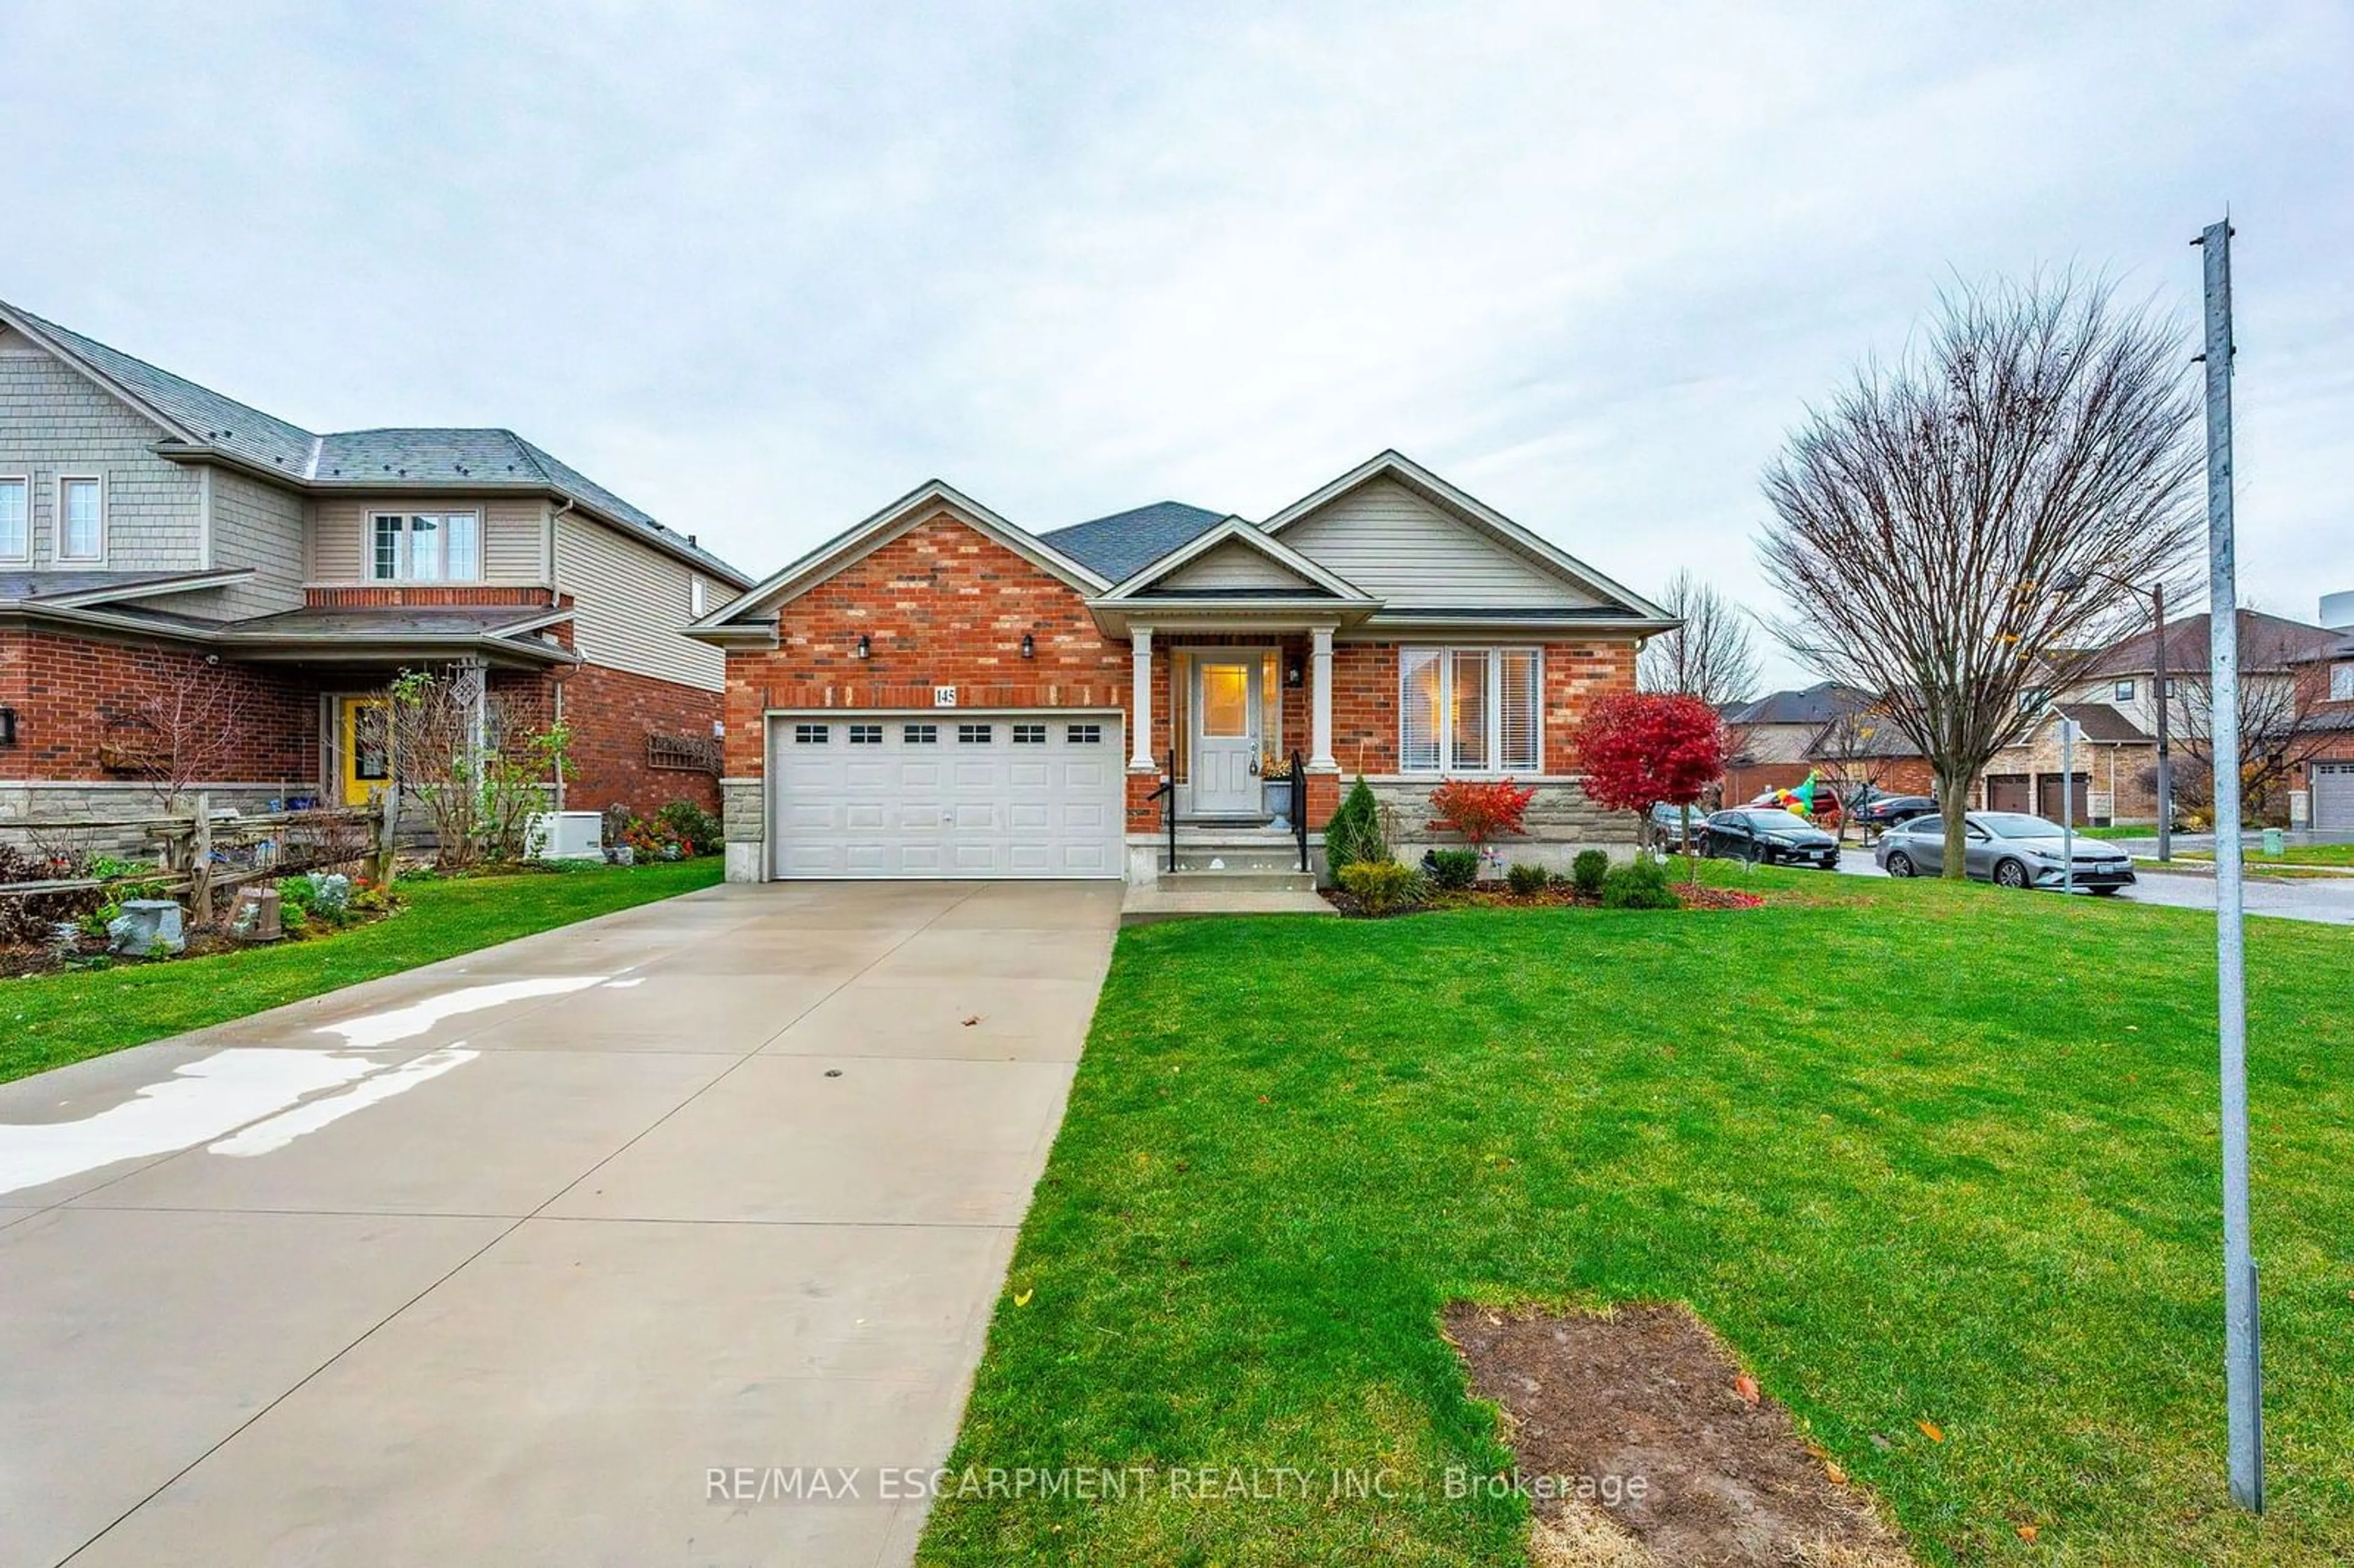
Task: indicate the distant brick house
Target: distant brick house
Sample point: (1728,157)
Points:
(939,692)
(154,534)
(1831,731)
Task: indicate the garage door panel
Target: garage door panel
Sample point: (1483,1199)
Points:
(992,806)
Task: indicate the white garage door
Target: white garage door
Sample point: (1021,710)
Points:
(946,794)
(2333,794)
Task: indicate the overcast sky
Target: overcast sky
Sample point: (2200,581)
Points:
(762,268)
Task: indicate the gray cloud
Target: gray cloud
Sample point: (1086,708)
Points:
(761,268)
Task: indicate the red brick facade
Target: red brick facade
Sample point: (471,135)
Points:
(81,703)
(944,605)
(941,605)
(611,713)
(87,710)
(415,596)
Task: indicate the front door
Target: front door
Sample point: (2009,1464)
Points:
(1225,736)
(363,728)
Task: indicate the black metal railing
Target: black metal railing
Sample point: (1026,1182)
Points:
(1167,794)
(1299,806)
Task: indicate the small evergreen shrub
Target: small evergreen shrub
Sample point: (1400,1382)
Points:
(1354,833)
(1641,885)
(1587,872)
(1453,869)
(1527,879)
(1381,886)
(696,831)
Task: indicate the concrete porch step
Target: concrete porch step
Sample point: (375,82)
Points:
(1286,878)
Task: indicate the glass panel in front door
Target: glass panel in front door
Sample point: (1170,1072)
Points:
(1226,700)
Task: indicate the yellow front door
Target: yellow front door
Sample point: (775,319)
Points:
(367,748)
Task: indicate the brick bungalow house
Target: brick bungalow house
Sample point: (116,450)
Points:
(156,536)
(939,692)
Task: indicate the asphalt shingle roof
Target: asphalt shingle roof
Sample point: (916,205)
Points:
(1818,703)
(1121,546)
(2266,642)
(16,587)
(2099,721)
(363,459)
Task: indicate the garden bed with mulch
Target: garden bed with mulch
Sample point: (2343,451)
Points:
(1642,1443)
(1557,896)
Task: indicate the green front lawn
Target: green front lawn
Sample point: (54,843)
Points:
(47,1021)
(2294,854)
(1921,1152)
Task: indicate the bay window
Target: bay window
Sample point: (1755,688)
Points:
(1469,710)
(425,546)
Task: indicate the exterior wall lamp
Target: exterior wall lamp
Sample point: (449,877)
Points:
(1029,646)
(865,646)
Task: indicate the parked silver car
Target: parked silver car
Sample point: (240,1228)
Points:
(2010,849)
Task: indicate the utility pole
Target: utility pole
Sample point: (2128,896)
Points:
(2067,804)
(2165,761)
(2243,1354)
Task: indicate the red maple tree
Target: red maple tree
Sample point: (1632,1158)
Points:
(1479,809)
(1641,749)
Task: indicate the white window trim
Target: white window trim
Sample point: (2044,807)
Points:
(698,603)
(24,557)
(1448,767)
(401,569)
(58,522)
(2342,682)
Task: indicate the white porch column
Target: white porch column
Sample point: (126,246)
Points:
(1319,727)
(1139,643)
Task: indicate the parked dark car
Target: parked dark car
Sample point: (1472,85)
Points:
(1763,837)
(1889,810)
(2010,849)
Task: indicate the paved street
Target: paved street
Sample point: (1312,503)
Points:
(2330,902)
(496,1262)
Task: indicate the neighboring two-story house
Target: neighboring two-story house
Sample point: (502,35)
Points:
(2297,715)
(939,692)
(157,536)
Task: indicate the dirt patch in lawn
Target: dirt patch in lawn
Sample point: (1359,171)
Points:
(1639,1447)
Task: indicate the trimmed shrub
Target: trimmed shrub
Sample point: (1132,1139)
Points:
(1354,833)
(1452,869)
(1381,886)
(1587,872)
(1527,879)
(1641,884)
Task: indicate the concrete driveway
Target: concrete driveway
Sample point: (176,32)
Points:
(501,1261)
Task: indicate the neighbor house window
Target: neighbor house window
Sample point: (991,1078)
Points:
(2125,692)
(2342,682)
(426,547)
(15,520)
(1469,710)
(82,520)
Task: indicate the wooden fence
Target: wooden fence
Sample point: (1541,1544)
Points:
(205,853)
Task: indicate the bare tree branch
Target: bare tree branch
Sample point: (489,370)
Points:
(1711,656)
(1952,525)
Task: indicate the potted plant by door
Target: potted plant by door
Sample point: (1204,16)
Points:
(1274,789)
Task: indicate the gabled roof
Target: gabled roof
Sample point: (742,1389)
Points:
(1469,509)
(2100,721)
(1125,543)
(202,423)
(1820,703)
(750,615)
(2267,643)
(1307,580)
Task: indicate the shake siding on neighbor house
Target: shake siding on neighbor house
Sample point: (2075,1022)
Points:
(514,534)
(1401,549)
(56,422)
(258,525)
(631,604)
